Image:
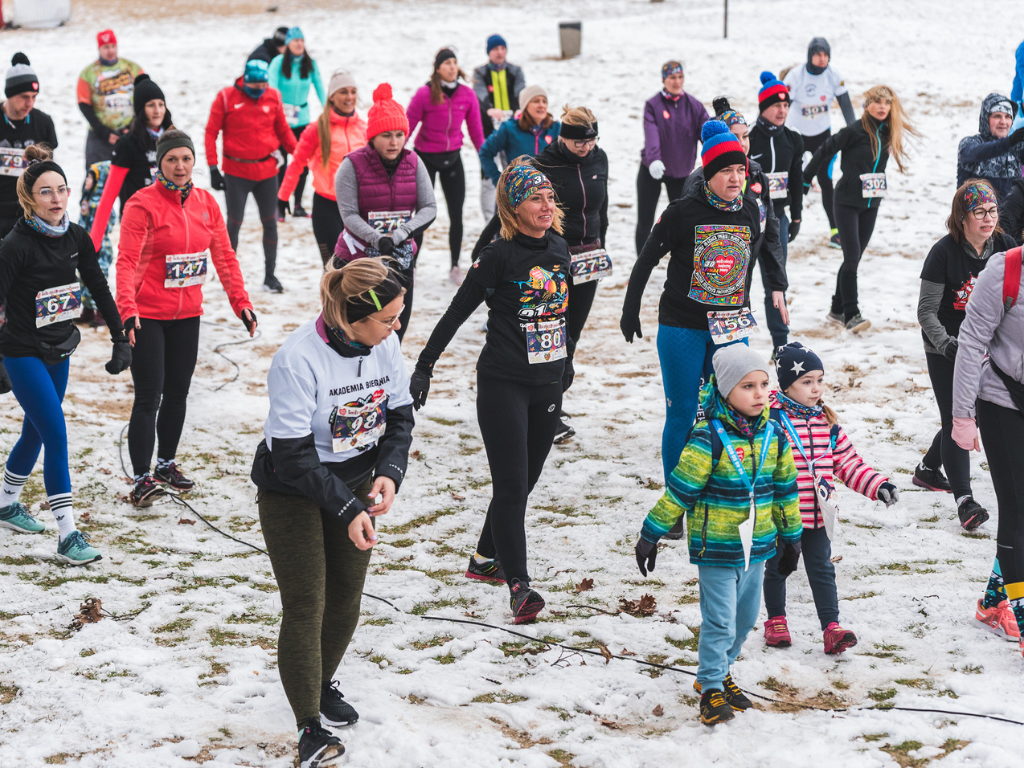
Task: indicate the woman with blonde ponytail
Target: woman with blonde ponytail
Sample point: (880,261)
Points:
(334,455)
(321,148)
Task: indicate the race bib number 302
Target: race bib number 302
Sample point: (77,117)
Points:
(185,269)
(591,265)
(778,185)
(387,222)
(56,304)
(545,342)
(872,185)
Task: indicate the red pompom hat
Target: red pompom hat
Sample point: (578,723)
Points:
(386,114)
(106,37)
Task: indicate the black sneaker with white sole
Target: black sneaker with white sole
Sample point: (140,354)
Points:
(146,491)
(334,710)
(273,285)
(971,514)
(318,746)
(564,431)
(171,475)
(857,323)
(836,318)
(931,479)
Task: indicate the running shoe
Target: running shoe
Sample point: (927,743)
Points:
(714,709)
(564,431)
(171,475)
(835,318)
(298,212)
(931,479)
(999,621)
(677,531)
(273,285)
(334,710)
(857,323)
(776,633)
(487,571)
(146,491)
(17,518)
(525,602)
(838,639)
(75,550)
(281,208)
(318,746)
(456,275)
(98,321)
(971,514)
(735,698)
(833,242)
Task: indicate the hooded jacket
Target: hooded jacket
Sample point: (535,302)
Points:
(983,156)
(716,500)
(857,158)
(253,130)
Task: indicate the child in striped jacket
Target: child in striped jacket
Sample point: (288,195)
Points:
(736,484)
(823,453)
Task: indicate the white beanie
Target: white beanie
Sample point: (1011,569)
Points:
(341,78)
(529,93)
(734,362)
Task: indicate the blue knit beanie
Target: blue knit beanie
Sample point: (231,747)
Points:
(494,41)
(256,71)
(793,361)
(294,34)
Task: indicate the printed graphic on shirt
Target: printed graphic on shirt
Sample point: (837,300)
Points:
(721,254)
(963,294)
(57,304)
(545,293)
(359,424)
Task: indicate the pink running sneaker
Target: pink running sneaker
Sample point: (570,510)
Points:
(999,621)
(776,633)
(838,639)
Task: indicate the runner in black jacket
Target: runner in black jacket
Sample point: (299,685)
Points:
(39,265)
(1011,212)
(270,47)
(866,146)
(524,367)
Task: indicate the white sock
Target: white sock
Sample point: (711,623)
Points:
(60,506)
(961,500)
(10,491)
(480,560)
(924,468)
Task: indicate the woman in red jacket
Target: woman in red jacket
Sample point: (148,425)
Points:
(322,146)
(168,232)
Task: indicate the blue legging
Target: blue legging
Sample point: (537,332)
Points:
(40,389)
(685,356)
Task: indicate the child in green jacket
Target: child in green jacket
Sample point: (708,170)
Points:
(736,484)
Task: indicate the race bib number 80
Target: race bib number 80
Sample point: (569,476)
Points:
(56,304)
(545,342)
(185,269)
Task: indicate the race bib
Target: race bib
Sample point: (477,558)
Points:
(387,222)
(291,113)
(826,493)
(872,185)
(56,304)
(590,265)
(118,102)
(721,254)
(12,161)
(545,342)
(812,111)
(778,185)
(360,423)
(731,326)
(185,269)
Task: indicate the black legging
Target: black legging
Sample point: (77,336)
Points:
(855,228)
(408,278)
(300,187)
(236,192)
(327,225)
(163,359)
(944,451)
(490,232)
(648,191)
(581,299)
(811,144)
(517,423)
(1002,432)
(453,184)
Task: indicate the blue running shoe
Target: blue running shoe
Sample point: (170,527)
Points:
(17,518)
(75,550)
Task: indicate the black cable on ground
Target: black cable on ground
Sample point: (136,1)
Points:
(219,347)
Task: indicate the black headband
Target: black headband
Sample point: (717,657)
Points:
(442,56)
(38,168)
(374,300)
(579,132)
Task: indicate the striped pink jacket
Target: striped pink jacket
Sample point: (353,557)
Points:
(842,463)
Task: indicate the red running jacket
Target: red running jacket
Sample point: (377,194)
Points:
(252,131)
(163,251)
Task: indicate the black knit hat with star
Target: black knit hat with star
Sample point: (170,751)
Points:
(792,361)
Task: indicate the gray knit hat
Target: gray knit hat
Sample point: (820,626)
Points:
(21,78)
(341,78)
(734,362)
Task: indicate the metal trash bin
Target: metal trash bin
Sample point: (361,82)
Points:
(570,33)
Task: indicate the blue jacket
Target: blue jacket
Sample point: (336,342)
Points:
(295,90)
(1017,93)
(514,141)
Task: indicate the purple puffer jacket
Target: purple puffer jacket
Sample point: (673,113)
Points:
(671,133)
(441,129)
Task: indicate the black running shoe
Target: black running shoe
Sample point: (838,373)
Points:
(273,285)
(172,476)
(145,491)
(714,709)
(525,602)
(298,212)
(334,710)
(971,514)
(564,431)
(676,532)
(733,695)
(931,479)
(489,571)
(318,746)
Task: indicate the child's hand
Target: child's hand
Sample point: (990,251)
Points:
(790,558)
(646,554)
(888,494)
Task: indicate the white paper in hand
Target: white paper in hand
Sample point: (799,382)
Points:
(746,529)
(825,492)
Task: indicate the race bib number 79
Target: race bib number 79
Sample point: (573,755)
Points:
(56,304)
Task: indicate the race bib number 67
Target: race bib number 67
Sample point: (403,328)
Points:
(57,304)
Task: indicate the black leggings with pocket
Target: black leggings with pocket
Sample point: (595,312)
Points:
(1002,432)
(811,144)
(236,192)
(453,184)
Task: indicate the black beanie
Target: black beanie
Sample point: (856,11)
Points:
(280,35)
(145,91)
(21,78)
(442,56)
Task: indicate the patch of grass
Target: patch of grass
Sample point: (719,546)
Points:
(840,685)
(444,422)
(862,596)
(252,618)
(448,658)
(870,737)
(421,608)
(686,645)
(501,697)
(953,745)
(562,757)
(381,622)
(562,714)
(895,567)
(8,692)
(919,683)
(430,519)
(402,543)
(434,642)
(776,685)
(867,527)
(179,625)
(224,637)
(882,695)
(654,658)
(519,648)
(970,669)
(932,519)
(900,753)
(22,560)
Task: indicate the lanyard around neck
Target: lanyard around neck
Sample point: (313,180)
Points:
(766,437)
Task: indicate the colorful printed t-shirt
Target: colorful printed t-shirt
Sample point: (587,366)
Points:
(109,89)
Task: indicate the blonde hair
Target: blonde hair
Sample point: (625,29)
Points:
(507,214)
(830,415)
(341,285)
(898,122)
(33,152)
(323,131)
(580,116)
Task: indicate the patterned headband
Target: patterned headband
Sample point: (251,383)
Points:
(671,69)
(731,117)
(522,181)
(978,194)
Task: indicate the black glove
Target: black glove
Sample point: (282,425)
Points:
(5,380)
(386,246)
(248,319)
(216,178)
(646,554)
(951,349)
(419,386)
(568,374)
(790,558)
(121,356)
(1017,136)
(630,326)
(888,494)
(283,207)
(794,230)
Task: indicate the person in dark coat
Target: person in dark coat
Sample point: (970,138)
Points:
(993,154)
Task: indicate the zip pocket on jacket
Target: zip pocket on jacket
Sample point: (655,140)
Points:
(704,532)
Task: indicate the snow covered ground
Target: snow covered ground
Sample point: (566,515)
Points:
(189,675)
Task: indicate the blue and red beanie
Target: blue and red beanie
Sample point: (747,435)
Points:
(719,148)
(773,91)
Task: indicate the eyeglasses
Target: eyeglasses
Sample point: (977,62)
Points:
(585,144)
(390,325)
(48,193)
(982,213)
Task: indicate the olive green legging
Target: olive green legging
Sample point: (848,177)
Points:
(320,573)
